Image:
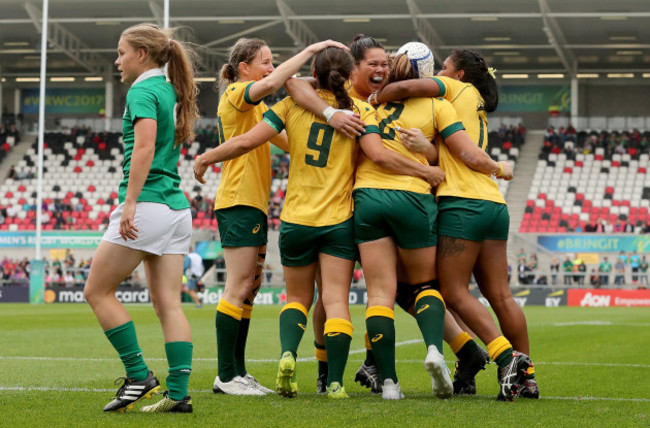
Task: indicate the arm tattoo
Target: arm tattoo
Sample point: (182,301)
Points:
(449,246)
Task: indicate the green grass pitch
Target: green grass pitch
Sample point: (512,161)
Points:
(57,370)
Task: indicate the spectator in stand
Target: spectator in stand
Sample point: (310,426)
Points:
(591,227)
(646,227)
(594,279)
(533,264)
(624,259)
(643,267)
(579,270)
(68,279)
(644,145)
(628,227)
(195,204)
(13,132)
(635,137)
(619,226)
(12,173)
(521,255)
(619,269)
(555,270)
(523,272)
(635,262)
(3,133)
(605,268)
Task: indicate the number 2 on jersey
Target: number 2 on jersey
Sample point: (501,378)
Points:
(322,146)
(387,132)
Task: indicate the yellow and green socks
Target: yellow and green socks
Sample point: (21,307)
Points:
(430,315)
(370,357)
(242,337)
(338,335)
(125,342)
(293,322)
(179,358)
(227,323)
(530,373)
(463,346)
(380,325)
(500,351)
(321,356)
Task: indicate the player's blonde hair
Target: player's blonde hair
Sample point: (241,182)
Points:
(163,49)
(401,69)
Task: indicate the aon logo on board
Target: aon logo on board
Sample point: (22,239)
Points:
(595,300)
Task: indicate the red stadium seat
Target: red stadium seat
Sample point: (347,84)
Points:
(91,188)
(598,157)
(616,164)
(77,169)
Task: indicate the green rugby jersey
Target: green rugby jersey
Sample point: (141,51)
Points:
(152,97)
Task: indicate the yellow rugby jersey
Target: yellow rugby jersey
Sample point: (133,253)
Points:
(352,92)
(321,171)
(434,116)
(245,180)
(461,180)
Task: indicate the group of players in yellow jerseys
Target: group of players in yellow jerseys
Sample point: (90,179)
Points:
(360,185)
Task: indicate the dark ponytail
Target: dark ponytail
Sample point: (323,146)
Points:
(478,74)
(333,67)
(361,44)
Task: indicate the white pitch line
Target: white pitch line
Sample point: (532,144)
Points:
(600,323)
(209,391)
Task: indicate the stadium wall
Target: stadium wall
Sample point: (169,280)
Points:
(537,296)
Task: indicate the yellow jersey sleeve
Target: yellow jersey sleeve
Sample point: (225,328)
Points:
(460,180)
(245,180)
(468,103)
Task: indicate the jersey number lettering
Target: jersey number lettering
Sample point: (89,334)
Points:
(387,132)
(322,147)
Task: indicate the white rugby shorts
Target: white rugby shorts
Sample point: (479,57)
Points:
(161,230)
